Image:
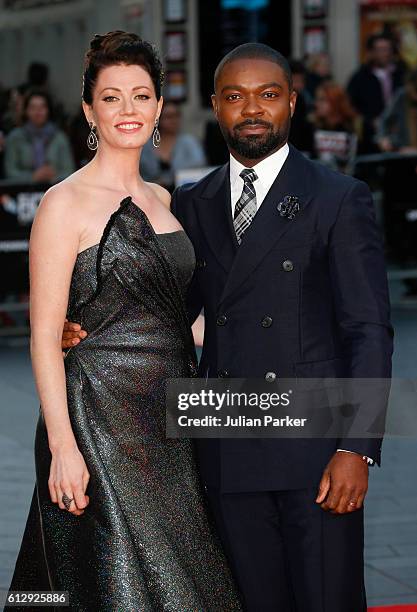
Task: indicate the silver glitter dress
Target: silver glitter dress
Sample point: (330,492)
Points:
(145,542)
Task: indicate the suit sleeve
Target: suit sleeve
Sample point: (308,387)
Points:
(361,300)
(194,297)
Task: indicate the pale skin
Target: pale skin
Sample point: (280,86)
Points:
(250,89)
(70,219)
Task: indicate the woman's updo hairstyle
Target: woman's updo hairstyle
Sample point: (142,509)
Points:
(115,48)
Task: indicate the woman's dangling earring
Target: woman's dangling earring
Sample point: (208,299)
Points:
(156,136)
(92,140)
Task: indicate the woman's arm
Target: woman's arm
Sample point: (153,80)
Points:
(53,250)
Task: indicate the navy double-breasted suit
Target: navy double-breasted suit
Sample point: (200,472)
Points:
(305,297)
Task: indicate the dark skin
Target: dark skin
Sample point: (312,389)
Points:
(247,91)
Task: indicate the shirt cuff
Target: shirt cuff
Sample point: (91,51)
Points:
(368,460)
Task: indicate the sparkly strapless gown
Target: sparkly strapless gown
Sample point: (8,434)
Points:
(145,542)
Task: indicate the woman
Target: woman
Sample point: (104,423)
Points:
(336,126)
(117,518)
(177,151)
(38,151)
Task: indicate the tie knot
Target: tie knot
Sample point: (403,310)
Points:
(248,175)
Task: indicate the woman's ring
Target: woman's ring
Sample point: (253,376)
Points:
(67,501)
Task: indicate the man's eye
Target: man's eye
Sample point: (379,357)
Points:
(270,94)
(109,98)
(233,97)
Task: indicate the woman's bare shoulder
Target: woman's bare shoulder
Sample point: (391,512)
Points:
(71,193)
(65,202)
(161,193)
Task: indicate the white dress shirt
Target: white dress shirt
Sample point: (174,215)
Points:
(267,171)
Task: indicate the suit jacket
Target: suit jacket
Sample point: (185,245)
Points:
(305,297)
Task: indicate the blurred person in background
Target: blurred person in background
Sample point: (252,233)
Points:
(372,86)
(301,132)
(398,124)
(37,77)
(398,133)
(337,126)
(177,150)
(12,113)
(38,151)
(318,71)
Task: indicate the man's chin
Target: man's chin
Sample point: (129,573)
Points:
(253,149)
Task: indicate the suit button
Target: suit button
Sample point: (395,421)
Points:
(266,321)
(270,376)
(221,320)
(200,263)
(288,265)
(223,374)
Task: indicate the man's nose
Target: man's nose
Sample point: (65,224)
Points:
(252,108)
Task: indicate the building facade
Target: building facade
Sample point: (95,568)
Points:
(192,36)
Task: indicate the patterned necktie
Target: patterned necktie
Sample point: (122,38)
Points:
(245,208)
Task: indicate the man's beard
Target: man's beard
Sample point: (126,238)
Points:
(256,146)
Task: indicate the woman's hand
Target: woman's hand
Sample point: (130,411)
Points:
(69,475)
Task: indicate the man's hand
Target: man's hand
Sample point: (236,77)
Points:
(72,334)
(344,483)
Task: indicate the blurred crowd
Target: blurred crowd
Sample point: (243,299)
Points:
(367,128)
(41,143)
(375,112)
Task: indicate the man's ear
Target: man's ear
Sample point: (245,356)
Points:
(214,103)
(293,101)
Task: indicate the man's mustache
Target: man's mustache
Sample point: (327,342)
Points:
(252,123)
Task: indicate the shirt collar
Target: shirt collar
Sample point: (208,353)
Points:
(267,170)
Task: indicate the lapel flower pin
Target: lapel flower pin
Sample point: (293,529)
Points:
(289,207)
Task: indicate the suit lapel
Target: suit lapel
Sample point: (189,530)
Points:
(215,217)
(268,226)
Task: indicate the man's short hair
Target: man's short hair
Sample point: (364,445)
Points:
(374,38)
(255,51)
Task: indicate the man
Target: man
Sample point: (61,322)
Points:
(372,86)
(303,296)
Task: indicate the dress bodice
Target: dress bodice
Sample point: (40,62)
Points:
(176,247)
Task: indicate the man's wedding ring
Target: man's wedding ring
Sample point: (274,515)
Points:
(67,501)
(352,503)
